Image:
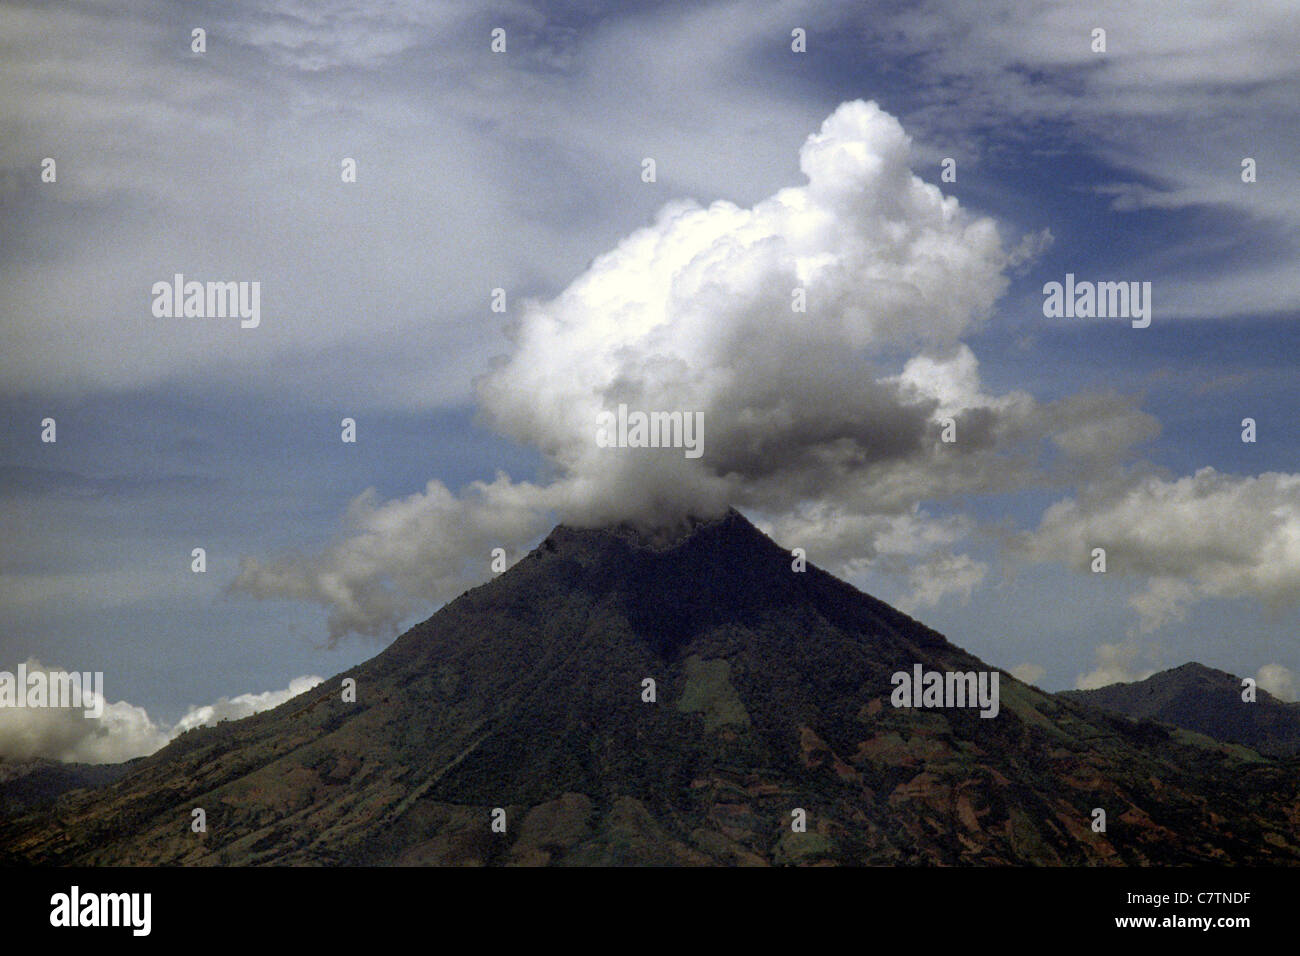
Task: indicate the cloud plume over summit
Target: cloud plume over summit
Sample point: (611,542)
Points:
(697,313)
(818,334)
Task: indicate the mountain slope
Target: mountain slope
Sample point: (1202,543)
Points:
(773,694)
(1207,701)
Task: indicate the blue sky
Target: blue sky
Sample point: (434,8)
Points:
(521,170)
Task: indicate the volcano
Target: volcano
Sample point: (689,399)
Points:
(684,698)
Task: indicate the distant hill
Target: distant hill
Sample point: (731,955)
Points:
(773,696)
(1207,701)
(30,783)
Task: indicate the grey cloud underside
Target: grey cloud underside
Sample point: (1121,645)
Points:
(881,427)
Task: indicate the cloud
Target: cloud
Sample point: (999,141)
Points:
(1030,248)
(328,34)
(133,119)
(1279,681)
(1116,664)
(428,546)
(1029,673)
(695,313)
(914,548)
(123,731)
(245,705)
(1207,535)
(1010,77)
(942,576)
(848,542)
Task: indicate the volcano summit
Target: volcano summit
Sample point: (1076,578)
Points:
(616,698)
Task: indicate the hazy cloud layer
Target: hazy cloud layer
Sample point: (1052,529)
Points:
(226,165)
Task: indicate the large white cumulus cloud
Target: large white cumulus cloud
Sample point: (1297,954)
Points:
(694,313)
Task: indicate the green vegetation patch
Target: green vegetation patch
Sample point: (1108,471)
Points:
(709,691)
